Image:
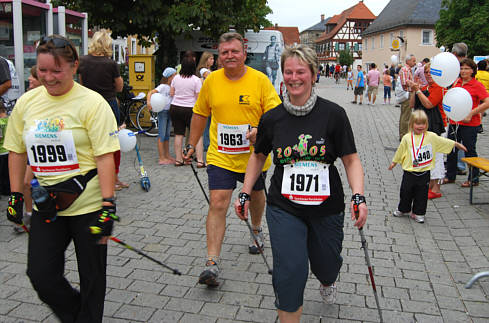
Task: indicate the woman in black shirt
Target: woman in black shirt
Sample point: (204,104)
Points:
(305,206)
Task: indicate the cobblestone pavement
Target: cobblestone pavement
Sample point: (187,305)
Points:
(420,269)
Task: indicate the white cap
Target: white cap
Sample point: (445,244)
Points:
(203,70)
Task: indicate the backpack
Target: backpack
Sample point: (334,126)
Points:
(14,92)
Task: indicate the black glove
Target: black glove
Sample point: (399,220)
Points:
(103,223)
(15,209)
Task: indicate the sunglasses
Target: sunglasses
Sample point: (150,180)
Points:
(58,43)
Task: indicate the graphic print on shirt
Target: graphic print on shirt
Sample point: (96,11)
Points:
(301,151)
(305,181)
(51,148)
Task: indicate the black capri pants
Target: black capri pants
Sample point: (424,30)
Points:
(414,192)
(180,118)
(296,241)
(46,263)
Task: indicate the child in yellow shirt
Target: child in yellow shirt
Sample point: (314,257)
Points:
(416,154)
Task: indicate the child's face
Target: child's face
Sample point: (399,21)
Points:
(3,114)
(419,128)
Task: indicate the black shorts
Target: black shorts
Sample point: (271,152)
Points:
(358,90)
(180,118)
(223,179)
(297,242)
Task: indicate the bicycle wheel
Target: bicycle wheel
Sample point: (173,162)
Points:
(147,121)
(133,113)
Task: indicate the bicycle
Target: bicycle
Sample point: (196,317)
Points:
(147,121)
(129,105)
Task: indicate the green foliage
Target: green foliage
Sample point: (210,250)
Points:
(345,58)
(464,21)
(163,20)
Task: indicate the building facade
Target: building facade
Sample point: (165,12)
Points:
(408,24)
(344,32)
(309,35)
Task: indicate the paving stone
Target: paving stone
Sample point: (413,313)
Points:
(423,318)
(256,315)
(30,312)
(165,316)
(219,310)
(184,305)
(419,307)
(477,309)
(359,313)
(135,313)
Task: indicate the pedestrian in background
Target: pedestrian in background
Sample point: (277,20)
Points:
(406,75)
(349,82)
(185,88)
(164,122)
(100,73)
(359,85)
(387,80)
(373,80)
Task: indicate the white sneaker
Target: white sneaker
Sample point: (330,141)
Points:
(328,293)
(417,218)
(398,213)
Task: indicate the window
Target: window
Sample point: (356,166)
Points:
(134,49)
(401,33)
(427,37)
(143,50)
(342,46)
(373,42)
(381,41)
(392,37)
(366,43)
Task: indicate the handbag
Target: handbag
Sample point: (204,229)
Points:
(401,94)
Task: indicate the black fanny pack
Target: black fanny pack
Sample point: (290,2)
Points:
(66,192)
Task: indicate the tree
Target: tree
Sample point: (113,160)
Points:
(345,58)
(166,19)
(464,21)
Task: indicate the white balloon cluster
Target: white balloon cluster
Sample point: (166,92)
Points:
(127,140)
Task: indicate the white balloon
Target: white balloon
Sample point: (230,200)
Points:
(158,102)
(127,140)
(445,69)
(457,103)
(394,59)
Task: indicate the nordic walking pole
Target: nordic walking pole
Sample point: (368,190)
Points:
(122,243)
(356,203)
(242,202)
(200,184)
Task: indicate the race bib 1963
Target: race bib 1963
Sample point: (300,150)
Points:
(306,182)
(51,153)
(231,139)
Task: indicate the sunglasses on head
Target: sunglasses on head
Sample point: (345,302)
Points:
(58,43)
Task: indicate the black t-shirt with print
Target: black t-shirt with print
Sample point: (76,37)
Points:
(323,135)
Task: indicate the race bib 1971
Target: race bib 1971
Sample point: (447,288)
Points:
(51,153)
(231,139)
(306,182)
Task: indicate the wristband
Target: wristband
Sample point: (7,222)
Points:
(109,200)
(418,92)
(358,199)
(243,197)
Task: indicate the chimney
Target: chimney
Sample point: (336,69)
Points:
(276,25)
(322,17)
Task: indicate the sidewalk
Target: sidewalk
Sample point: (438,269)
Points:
(420,269)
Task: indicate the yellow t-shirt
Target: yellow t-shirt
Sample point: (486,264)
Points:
(234,105)
(64,134)
(483,77)
(432,144)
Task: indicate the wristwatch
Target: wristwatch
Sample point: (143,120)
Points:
(109,200)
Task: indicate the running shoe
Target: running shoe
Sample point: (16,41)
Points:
(398,213)
(328,293)
(209,275)
(417,218)
(253,249)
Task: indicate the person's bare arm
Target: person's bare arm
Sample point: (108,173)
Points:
(5,86)
(118,84)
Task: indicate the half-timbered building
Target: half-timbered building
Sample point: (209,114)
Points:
(344,32)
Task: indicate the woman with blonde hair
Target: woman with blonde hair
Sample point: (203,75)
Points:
(100,73)
(206,61)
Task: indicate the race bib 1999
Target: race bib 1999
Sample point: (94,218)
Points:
(51,153)
(231,139)
(306,182)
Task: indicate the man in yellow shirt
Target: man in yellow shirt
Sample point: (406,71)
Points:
(236,97)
